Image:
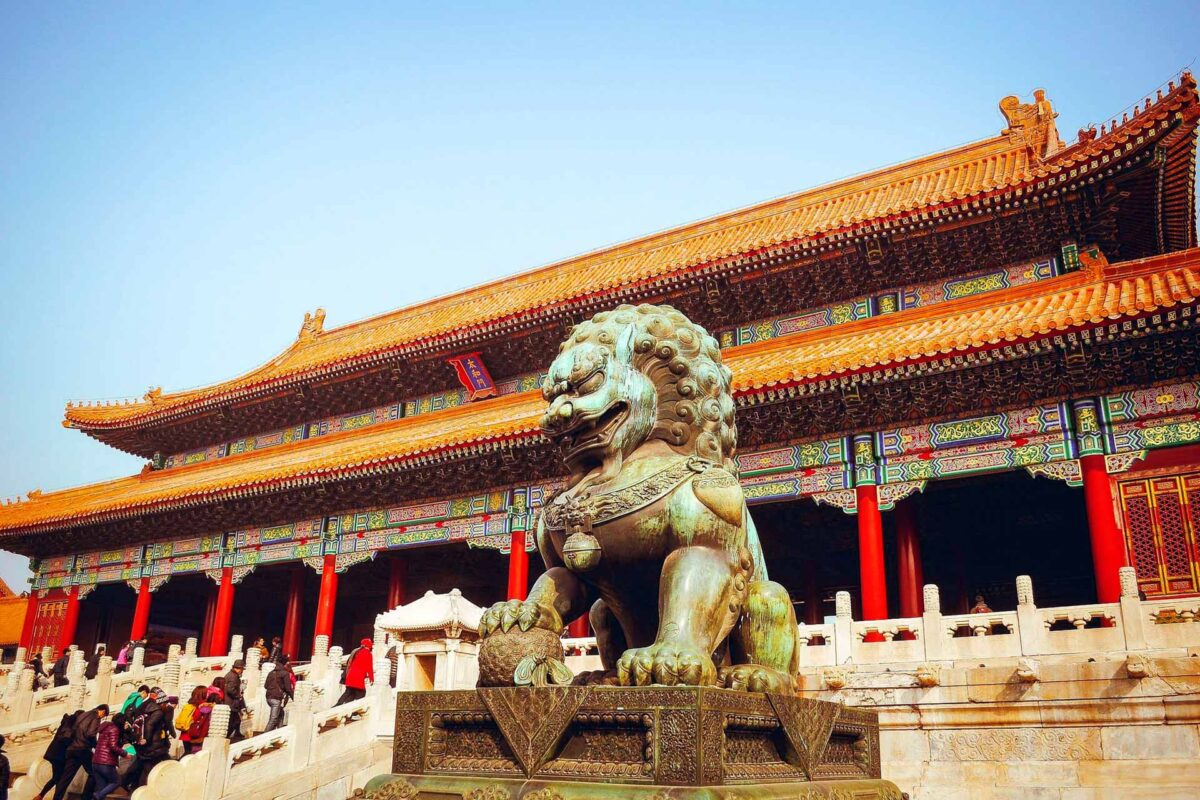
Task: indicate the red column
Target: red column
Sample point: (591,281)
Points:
(295,609)
(579,627)
(870,554)
(141,612)
(518,568)
(70,620)
(210,614)
(399,570)
(1108,545)
(31,611)
(908,553)
(218,645)
(328,599)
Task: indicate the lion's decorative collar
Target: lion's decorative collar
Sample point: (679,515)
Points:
(574,513)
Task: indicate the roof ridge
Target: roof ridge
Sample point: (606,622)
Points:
(815,212)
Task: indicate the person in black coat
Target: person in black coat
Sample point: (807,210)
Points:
(93,665)
(234,699)
(154,744)
(79,752)
(278,688)
(5,772)
(59,670)
(56,752)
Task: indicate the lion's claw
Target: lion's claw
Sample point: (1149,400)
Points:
(668,664)
(756,678)
(501,618)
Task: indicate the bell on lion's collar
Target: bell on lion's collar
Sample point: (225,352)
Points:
(581,551)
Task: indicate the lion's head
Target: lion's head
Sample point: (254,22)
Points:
(637,373)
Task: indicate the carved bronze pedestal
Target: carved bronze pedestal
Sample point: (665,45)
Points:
(574,742)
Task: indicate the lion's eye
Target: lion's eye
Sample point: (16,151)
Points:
(591,383)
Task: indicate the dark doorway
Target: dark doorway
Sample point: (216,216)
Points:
(105,617)
(978,534)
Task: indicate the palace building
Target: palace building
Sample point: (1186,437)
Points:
(973,365)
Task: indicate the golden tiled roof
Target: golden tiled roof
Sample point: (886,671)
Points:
(12,619)
(1028,151)
(1099,293)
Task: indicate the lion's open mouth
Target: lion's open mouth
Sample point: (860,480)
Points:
(593,433)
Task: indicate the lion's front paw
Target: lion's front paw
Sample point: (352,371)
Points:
(666,663)
(501,617)
(755,678)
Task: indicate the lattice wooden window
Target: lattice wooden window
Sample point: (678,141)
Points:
(1160,532)
(47,625)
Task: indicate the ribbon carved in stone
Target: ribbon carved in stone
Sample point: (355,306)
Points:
(533,721)
(808,724)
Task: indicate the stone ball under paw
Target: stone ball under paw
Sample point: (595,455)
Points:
(500,653)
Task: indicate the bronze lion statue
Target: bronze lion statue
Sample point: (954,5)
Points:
(652,536)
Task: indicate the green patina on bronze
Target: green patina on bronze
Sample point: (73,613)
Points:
(652,537)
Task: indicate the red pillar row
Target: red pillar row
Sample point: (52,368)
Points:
(908,554)
(31,612)
(1108,545)
(295,610)
(518,568)
(396,580)
(870,554)
(70,620)
(141,612)
(326,603)
(223,615)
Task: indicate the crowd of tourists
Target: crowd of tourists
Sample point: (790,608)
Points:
(117,750)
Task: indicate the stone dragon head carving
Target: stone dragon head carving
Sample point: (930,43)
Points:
(636,374)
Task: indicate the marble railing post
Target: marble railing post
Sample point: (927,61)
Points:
(170,680)
(931,624)
(320,658)
(76,697)
(14,673)
(21,705)
(1132,620)
(300,718)
(235,651)
(1029,626)
(383,698)
(102,685)
(216,744)
(843,629)
(76,666)
(47,656)
(251,685)
(137,664)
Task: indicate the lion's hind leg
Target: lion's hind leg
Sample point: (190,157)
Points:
(766,655)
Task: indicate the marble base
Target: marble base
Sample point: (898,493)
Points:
(588,741)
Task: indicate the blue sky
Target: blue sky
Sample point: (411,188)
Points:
(179,185)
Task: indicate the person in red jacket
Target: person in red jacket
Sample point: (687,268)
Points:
(108,755)
(359,669)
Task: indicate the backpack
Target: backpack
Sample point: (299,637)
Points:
(137,728)
(198,729)
(183,720)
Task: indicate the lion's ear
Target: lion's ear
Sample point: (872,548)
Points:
(721,494)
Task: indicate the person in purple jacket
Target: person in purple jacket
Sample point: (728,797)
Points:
(108,755)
